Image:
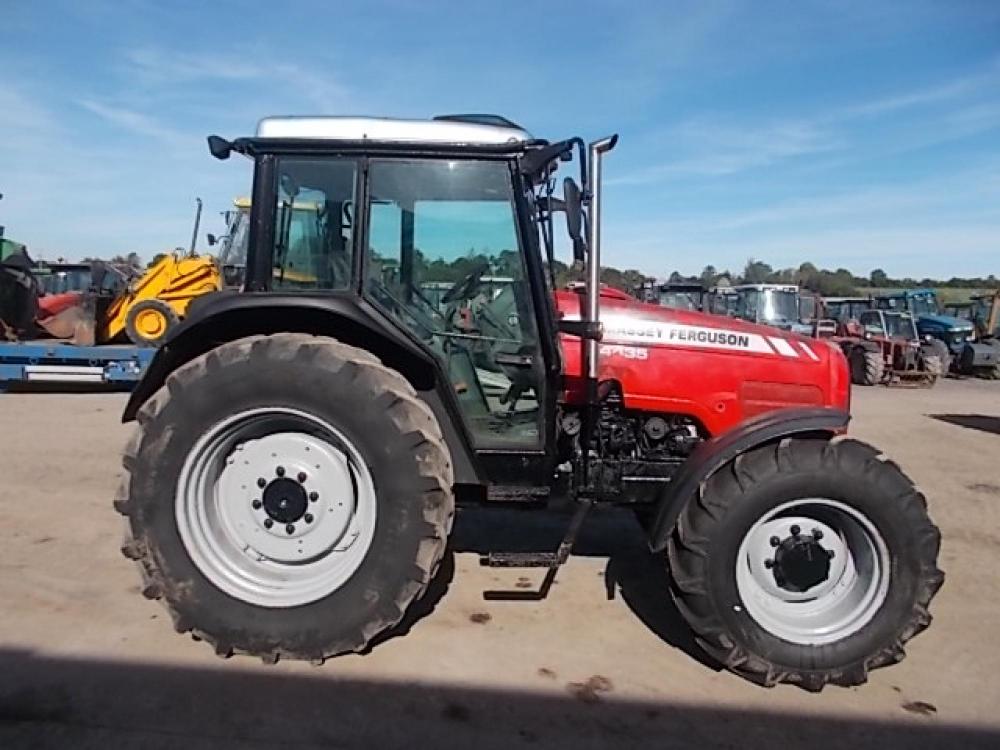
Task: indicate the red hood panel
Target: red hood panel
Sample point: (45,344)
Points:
(719,369)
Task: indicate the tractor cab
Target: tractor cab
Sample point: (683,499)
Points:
(771,304)
(681,295)
(983,310)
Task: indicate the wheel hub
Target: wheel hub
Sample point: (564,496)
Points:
(285,500)
(801,563)
(151,323)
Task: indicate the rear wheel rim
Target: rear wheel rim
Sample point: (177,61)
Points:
(275,507)
(794,588)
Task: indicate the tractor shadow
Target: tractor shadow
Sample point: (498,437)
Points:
(86,702)
(981,422)
(632,571)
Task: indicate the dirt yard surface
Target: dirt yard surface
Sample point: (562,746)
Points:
(86,662)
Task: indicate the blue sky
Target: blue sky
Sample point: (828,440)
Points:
(854,134)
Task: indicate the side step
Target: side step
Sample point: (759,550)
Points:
(520,559)
(549,560)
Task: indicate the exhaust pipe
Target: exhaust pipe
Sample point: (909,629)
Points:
(197,224)
(593,313)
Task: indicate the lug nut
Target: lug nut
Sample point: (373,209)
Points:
(769,564)
(308,518)
(262,483)
(280,471)
(795,530)
(817,534)
(313,497)
(775,541)
(290,529)
(268,523)
(301,477)
(256,504)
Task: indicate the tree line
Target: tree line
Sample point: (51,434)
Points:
(836,283)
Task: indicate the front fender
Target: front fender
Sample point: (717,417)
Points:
(712,455)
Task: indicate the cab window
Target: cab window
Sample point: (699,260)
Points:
(314,226)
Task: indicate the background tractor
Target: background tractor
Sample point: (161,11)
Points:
(906,359)
(881,346)
(300,451)
(771,304)
(949,336)
(683,295)
(983,311)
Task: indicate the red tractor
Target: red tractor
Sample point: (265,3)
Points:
(881,347)
(303,443)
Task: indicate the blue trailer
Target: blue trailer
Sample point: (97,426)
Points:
(49,361)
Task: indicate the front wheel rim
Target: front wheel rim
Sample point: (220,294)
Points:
(813,571)
(151,324)
(275,507)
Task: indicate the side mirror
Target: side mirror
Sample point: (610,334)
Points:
(212,239)
(574,218)
(219,147)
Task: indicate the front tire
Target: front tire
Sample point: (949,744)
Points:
(867,367)
(227,452)
(936,347)
(933,368)
(752,574)
(149,322)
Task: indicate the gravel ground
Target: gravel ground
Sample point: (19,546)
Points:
(86,662)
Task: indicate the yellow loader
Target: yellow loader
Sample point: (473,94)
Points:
(154,302)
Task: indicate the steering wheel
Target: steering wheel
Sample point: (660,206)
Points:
(467,285)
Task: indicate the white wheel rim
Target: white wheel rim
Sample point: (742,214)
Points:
(275,507)
(784,587)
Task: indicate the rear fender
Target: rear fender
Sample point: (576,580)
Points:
(713,454)
(215,319)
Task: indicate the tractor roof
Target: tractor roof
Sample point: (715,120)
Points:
(473,130)
(767,287)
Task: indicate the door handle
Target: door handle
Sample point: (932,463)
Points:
(514,360)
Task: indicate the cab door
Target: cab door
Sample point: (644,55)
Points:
(445,261)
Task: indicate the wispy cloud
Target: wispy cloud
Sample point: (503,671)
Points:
(158,68)
(717,145)
(933,94)
(137,123)
(714,150)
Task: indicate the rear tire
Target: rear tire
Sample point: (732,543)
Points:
(262,601)
(867,367)
(884,536)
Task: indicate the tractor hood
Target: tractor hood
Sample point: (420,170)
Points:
(943,323)
(716,369)
(626,320)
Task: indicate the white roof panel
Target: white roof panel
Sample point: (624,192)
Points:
(389,130)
